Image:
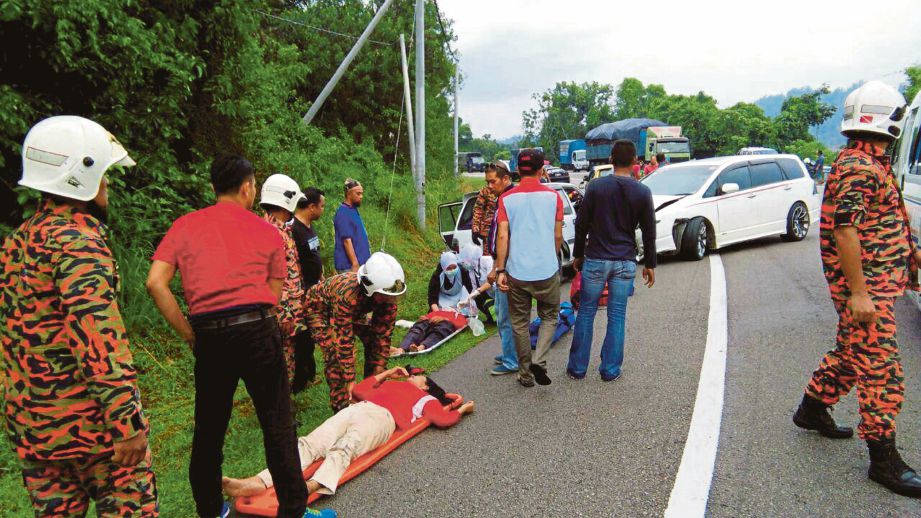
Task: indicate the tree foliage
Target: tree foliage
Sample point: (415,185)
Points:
(914,83)
(712,130)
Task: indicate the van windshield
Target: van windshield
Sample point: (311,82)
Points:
(678,180)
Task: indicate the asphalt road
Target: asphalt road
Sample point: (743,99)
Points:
(589,448)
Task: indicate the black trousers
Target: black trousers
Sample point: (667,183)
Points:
(426,334)
(305,365)
(251,352)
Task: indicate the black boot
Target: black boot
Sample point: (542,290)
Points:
(812,414)
(888,468)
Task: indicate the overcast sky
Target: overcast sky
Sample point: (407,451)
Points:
(733,50)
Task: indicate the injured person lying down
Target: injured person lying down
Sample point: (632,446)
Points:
(385,405)
(429,331)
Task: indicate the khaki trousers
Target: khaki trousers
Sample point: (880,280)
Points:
(520,294)
(347,435)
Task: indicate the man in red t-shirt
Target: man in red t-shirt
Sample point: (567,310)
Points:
(232,265)
(362,427)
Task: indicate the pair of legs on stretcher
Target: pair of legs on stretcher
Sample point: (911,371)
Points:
(359,429)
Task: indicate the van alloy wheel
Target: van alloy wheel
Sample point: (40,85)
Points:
(800,222)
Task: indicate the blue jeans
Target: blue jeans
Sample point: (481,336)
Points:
(509,353)
(618,275)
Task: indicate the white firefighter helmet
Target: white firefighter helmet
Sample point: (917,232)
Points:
(68,155)
(282,191)
(382,274)
(875,108)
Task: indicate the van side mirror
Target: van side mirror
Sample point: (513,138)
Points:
(729,188)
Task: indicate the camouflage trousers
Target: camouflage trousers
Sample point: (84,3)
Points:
(866,355)
(65,488)
(334,369)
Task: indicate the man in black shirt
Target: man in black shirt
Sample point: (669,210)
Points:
(309,209)
(613,207)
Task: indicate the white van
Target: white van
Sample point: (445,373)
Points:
(907,166)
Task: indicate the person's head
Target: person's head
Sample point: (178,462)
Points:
(354,192)
(427,384)
(233,177)
(280,196)
(67,157)
(623,154)
(312,205)
(660,159)
(530,162)
(470,255)
(382,278)
(874,112)
(450,264)
(498,178)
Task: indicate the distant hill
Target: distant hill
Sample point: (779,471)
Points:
(510,141)
(828,132)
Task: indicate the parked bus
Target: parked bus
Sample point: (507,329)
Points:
(908,171)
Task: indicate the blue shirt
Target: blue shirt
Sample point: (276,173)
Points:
(348,225)
(532,211)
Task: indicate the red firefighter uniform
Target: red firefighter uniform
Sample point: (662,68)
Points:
(70,387)
(861,192)
(337,311)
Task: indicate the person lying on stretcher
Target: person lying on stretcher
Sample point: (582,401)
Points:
(385,405)
(429,330)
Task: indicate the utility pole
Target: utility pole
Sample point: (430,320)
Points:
(420,113)
(407,91)
(315,107)
(456,136)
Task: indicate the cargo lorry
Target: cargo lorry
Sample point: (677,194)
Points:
(572,155)
(650,137)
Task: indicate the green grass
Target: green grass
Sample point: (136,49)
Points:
(165,363)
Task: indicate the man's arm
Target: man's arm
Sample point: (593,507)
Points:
(502,255)
(276,286)
(83,273)
(158,280)
(350,253)
(849,254)
(648,231)
(583,227)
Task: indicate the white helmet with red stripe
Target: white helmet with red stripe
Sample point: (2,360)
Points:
(383,274)
(875,108)
(68,155)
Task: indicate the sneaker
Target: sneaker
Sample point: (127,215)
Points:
(526,382)
(540,374)
(225,511)
(573,376)
(325,513)
(611,378)
(498,360)
(500,369)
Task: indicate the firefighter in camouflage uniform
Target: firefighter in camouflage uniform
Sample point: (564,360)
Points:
(337,310)
(72,406)
(279,198)
(869,260)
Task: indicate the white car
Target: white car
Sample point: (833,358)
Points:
(455,219)
(708,204)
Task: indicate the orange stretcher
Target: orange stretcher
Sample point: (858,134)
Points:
(266,503)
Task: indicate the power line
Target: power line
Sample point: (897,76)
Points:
(320,29)
(444,32)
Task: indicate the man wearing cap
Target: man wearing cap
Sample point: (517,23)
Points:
(337,310)
(233,268)
(352,246)
(530,232)
(73,410)
(279,199)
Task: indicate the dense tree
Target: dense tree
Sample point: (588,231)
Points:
(801,112)
(914,83)
(567,111)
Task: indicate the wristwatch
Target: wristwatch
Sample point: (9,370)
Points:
(500,271)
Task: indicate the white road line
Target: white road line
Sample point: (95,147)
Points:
(692,484)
